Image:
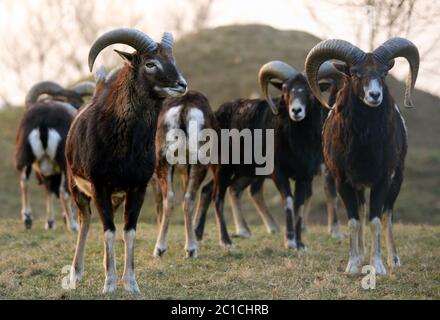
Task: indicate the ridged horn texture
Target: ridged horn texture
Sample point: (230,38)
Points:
(132,37)
(167,40)
(43,87)
(327,50)
(274,70)
(400,47)
(85,88)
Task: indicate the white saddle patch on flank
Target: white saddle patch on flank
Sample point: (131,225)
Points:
(84,185)
(45,158)
(172,117)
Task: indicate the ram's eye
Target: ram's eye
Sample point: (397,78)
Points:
(150,65)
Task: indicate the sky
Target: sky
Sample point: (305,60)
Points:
(336,20)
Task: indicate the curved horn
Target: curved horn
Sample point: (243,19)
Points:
(85,88)
(167,40)
(327,50)
(400,47)
(132,37)
(274,69)
(43,87)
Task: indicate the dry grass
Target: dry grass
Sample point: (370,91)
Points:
(260,268)
(223,63)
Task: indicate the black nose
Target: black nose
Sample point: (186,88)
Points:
(296,111)
(374,94)
(182,83)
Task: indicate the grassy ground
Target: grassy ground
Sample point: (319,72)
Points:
(31,264)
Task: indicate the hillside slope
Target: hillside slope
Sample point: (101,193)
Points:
(223,63)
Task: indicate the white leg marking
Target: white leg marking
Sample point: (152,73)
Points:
(354,261)
(376,259)
(363,220)
(109,262)
(290,243)
(128,277)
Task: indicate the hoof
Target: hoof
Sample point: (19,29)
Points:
(394,262)
(337,235)
(243,234)
(73,227)
(301,247)
(227,244)
(353,266)
(75,276)
(191,253)
(131,285)
(273,230)
(290,244)
(158,252)
(378,266)
(335,232)
(109,286)
(50,224)
(28,223)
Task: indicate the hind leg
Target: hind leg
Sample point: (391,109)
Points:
(393,259)
(50,216)
(84,214)
(235,191)
(256,192)
(331,199)
(307,204)
(157,198)
(66,205)
(196,175)
(221,183)
(205,199)
(165,176)
(26,211)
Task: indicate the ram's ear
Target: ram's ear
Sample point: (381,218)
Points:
(127,57)
(324,86)
(342,67)
(276,83)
